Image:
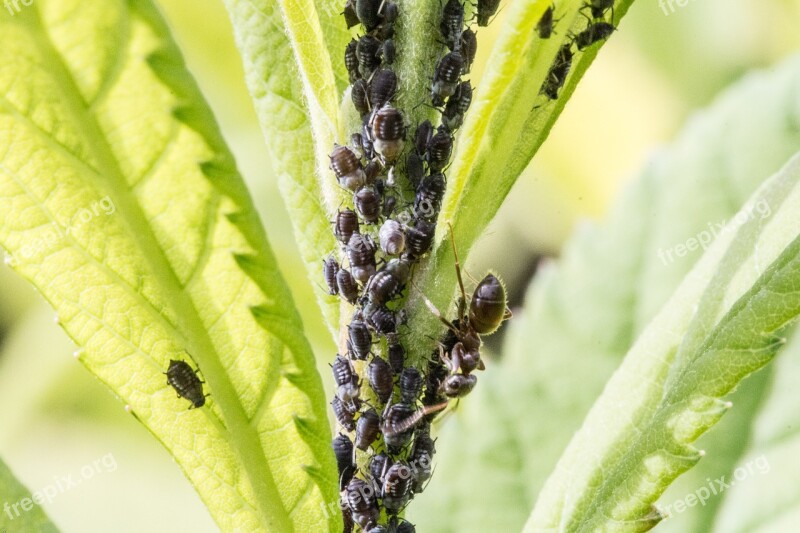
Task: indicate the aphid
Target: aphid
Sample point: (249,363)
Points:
(381,319)
(404,526)
(391,237)
(488,309)
(388,130)
(486,10)
(343,450)
(361,253)
(419,238)
(400,269)
(428,199)
(183,378)
(351,59)
(599,7)
(388,51)
(367,52)
(367,429)
(458,385)
(452,23)
(468,47)
(367,11)
(344,414)
(422,136)
(545,25)
(397,432)
(348,388)
(360,338)
(359,96)
(368,204)
(594,33)
(382,87)
(330,269)
(439,149)
(422,457)
(410,385)
(347,167)
(434,377)
(415,167)
(457,106)
(389,205)
(367,146)
(396,486)
(381,378)
(347,286)
(363,503)
(378,466)
(389,12)
(445,77)
(382,287)
(558,72)
(396,355)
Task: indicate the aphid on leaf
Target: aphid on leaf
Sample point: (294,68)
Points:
(347,286)
(368,204)
(388,130)
(422,136)
(599,7)
(381,378)
(486,10)
(347,167)
(594,33)
(452,23)
(419,238)
(457,106)
(468,48)
(367,429)
(330,269)
(545,25)
(410,385)
(367,11)
(343,450)
(360,97)
(382,87)
(360,338)
(351,60)
(344,413)
(183,378)
(559,70)
(368,53)
(397,486)
(429,195)
(445,77)
(348,387)
(360,252)
(392,238)
(363,503)
(439,149)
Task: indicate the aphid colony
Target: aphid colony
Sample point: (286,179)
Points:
(597,30)
(395,172)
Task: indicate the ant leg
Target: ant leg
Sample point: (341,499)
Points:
(462,304)
(436,312)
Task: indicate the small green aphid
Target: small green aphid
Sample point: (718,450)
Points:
(183,378)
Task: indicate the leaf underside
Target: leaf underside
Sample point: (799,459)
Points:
(123,206)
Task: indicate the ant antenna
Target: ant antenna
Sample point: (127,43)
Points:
(463,303)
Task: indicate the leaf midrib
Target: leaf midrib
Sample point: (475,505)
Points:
(255,465)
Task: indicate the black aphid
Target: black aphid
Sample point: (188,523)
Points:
(347,286)
(361,253)
(468,48)
(382,287)
(368,204)
(381,378)
(422,457)
(545,25)
(419,238)
(415,167)
(351,60)
(388,51)
(457,106)
(389,205)
(344,413)
(330,268)
(445,77)
(398,426)
(350,15)
(486,10)
(378,465)
(388,130)
(452,23)
(363,503)
(368,55)
(360,97)
(599,7)
(458,385)
(382,87)
(397,356)
(403,526)
(367,11)
(422,136)
(346,379)
(594,33)
(389,12)
(343,450)
(183,378)
(410,385)
(439,149)
(396,486)
(381,319)
(558,72)
(347,167)
(367,429)
(360,338)
(428,199)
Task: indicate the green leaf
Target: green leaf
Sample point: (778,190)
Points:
(583,313)
(22,509)
(724,322)
(123,206)
(277,89)
(507,123)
